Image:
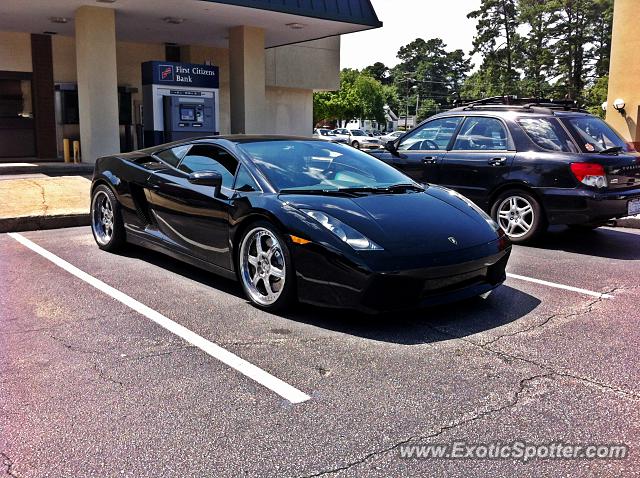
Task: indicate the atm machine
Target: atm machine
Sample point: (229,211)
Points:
(180,101)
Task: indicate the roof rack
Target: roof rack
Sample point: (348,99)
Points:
(541,105)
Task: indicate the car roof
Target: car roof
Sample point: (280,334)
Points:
(511,111)
(232,138)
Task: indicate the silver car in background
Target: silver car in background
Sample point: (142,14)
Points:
(328,135)
(359,139)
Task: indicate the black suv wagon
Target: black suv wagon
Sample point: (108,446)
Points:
(528,165)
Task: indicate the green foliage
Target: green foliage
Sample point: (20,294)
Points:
(360,96)
(529,48)
(497,40)
(596,94)
(427,108)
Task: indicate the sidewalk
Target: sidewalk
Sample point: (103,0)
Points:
(57,168)
(40,202)
(31,200)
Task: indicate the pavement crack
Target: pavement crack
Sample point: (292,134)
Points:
(586,310)
(44,205)
(101,373)
(628,394)
(72,347)
(104,376)
(8,465)
(462,421)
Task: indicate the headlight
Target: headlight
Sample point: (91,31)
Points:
(348,234)
(473,206)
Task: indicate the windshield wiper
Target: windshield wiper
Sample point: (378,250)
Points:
(405,187)
(395,188)
(318,192)
(355,191)
(612,150)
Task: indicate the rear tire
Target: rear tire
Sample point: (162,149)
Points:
(265,268)
(106,219)
(520,216)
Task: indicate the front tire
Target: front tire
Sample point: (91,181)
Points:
(106,219)
(519,215)
(356,145)
(265,268)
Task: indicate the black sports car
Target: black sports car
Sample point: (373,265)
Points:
(294,218)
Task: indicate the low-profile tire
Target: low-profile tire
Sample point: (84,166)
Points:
(106,219)
(356,145)
(265,268)
(520,216)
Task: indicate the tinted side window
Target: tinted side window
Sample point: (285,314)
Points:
(547,133)
(204,157)
(434,135)
(479,133)
(173,156)
(244,181)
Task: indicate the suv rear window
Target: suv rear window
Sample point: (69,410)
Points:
(548,134)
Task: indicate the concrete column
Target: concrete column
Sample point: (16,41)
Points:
(624,70)
(247,74)
(97,82)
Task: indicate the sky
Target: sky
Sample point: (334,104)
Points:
(404,21)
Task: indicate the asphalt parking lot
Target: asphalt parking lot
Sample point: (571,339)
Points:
(90,386)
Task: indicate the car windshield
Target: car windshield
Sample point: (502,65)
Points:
(594,135)
(320,166)
(357,132)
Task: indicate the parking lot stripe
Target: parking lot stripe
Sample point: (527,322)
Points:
(599,295)
(264,378)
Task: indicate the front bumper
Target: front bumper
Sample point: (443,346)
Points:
(329,279)
(580,206)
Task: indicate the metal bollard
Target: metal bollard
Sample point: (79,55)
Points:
(66,150)
(76,152)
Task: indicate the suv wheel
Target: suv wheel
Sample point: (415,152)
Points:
(519,215)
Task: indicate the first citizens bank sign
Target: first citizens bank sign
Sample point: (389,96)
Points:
(180,74)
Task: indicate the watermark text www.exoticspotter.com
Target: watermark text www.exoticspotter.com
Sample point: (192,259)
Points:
(516,450)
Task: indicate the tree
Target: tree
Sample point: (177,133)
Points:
(380,72)
(595,95)
(360,96)
(536,57)
(428,71)
(497,40)
(427,108)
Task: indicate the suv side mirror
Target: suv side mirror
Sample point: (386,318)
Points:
(207,178)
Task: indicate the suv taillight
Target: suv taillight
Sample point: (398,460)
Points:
(591,174)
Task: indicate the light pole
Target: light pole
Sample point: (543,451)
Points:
(407,78)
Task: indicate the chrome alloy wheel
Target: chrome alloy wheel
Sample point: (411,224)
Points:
(515,216)
(102,217)
(262,266)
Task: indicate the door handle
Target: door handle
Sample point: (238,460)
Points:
(429,160)
(498,161)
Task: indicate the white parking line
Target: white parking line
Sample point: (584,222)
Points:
(555,285)
(283,389)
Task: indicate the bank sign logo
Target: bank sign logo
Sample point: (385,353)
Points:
(166,73)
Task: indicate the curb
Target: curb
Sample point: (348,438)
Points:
(63,169)
(630,222)
(33,223)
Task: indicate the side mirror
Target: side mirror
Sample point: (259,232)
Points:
(207,178)
(391,147)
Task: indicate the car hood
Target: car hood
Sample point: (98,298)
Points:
(416,222)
